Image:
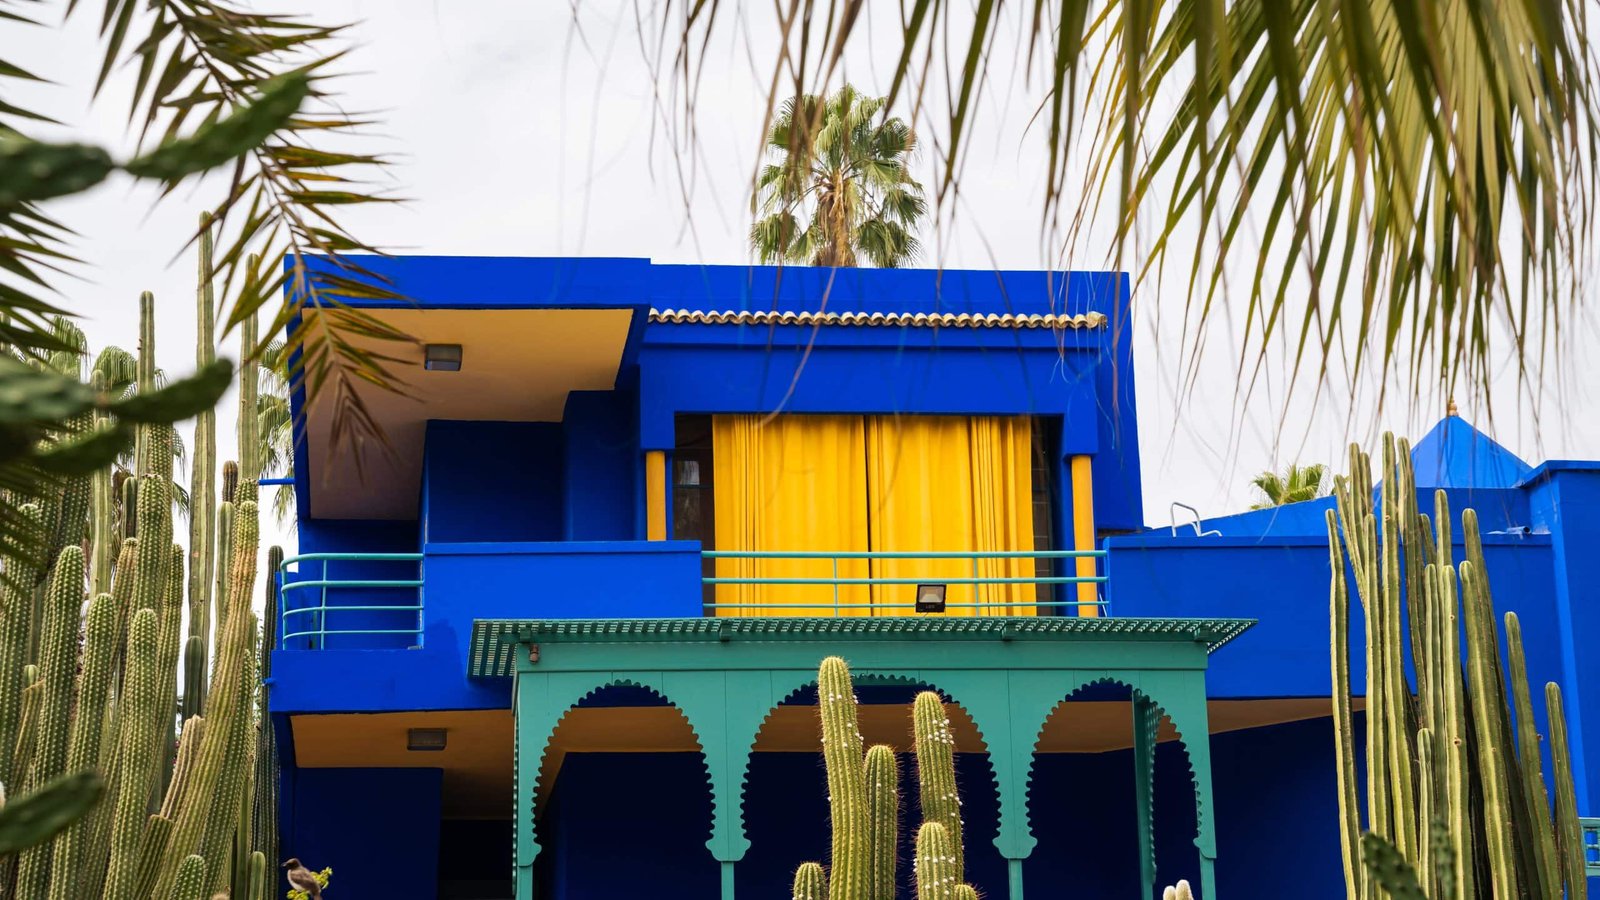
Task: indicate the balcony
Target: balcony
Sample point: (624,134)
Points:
(403,601)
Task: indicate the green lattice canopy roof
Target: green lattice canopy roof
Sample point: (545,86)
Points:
(494,640)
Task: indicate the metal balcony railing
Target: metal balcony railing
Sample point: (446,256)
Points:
(1591,845)
(326,611)
(835,581)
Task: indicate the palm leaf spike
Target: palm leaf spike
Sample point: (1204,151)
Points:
(34,818)
(936,770)
(58,665)
(83,742)
(139,719)
(225,712)
(1568,831)
(810,882)
(935,861)
(883,804)
(1343,716)
(851,875)
(1536,800)
(16,612)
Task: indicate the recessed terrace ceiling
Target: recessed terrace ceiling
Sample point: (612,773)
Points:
(518,365)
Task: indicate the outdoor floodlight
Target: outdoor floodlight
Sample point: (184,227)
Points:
(930,598)
(442,357)
(425,739)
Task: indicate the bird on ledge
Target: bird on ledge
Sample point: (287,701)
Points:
(301,879)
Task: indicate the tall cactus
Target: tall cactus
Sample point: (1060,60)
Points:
(264,834)
(1452,777)
(883,805)
(83,742)
(810,882)
(139,722)
(851,875)
(202,492)
(189,882)
(937,872)
(58,666)
(225,711)
(16,613)
(936,770)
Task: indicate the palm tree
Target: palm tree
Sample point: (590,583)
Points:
(275,426)
(1427,168)
(1297,483)
(844,166)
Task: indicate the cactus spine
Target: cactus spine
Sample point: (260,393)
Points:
(810,882)
(139,720)
(1451,776)
(937,873)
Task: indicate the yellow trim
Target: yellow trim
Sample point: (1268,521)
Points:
(1083,531)
(655,495)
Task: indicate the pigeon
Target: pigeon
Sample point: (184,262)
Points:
(301,879)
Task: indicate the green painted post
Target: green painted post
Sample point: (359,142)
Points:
(727,879)
(1014,878)
(1145,719)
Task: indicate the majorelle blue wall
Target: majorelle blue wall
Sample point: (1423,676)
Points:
(548,519)
(635,824)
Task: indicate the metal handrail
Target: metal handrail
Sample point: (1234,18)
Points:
(836,581)
(319,612)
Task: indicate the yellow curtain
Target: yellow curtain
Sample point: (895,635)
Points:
(949,483)
(790,483)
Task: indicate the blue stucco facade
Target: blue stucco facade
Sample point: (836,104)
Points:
(550,520)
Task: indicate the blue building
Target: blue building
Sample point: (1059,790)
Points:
(555,637)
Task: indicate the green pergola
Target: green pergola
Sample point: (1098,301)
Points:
(725,675)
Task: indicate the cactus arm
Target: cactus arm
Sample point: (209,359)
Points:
(58,665)
(256,887)
(202,482)
(965,892)
(138,723)
(157,829)
(224,711)
(935,863)
(1491,752)
(1536,801)
(1343,717)
(189,882)
(847,782)
(1568,832)
(16,614)
(83,742)
(883,806)
(936,771)
(810,882)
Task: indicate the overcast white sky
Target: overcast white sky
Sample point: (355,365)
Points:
(513,135)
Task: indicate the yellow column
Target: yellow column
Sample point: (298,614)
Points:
(1083,533)
(655,495)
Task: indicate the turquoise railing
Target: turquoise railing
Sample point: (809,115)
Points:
(836,582)
(1591,845)
(311,619)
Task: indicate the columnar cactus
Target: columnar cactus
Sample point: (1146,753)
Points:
(851,874)
(189,883)
(264,832)
(226,711)
(139,721)
(256,885)
(58,666)
(202,491)
(1452,777)
(883,805)
(810,882)
(171,641)
(936,769)
(1568,831)
(936,870)
(16,614)
(83,742)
